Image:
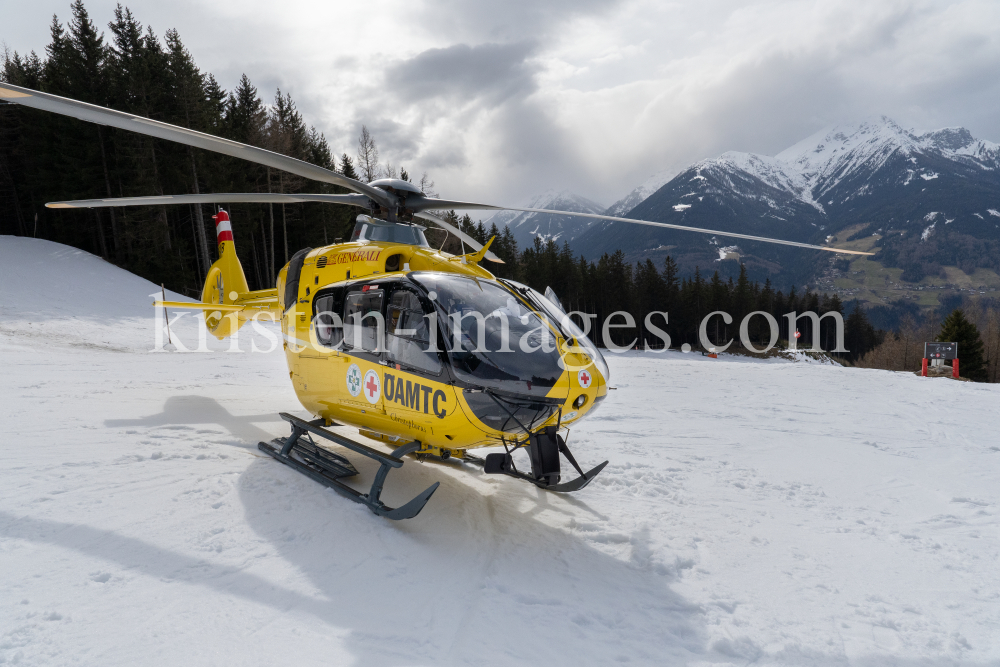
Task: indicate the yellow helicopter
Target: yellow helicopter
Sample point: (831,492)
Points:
(413,346)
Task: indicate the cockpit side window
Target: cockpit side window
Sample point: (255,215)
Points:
(408,336)
(364,324)
(328,317)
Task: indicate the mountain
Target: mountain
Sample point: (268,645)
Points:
(527,226)
(870,182)
(637,196)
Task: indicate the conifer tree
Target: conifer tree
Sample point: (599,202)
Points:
(957,329)
(347,167)
(859,334)
(190,107)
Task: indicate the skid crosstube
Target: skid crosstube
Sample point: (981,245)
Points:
(328,468)
(565,487)
(544,449)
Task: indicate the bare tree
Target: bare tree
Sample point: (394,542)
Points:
(367,156)
(390,171)
(427,186)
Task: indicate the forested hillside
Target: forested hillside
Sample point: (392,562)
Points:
(45,157)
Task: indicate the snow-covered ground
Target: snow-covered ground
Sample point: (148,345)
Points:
(753,512)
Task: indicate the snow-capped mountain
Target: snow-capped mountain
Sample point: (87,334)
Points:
(559,228)
(829,158)
(872,172)
(638,195)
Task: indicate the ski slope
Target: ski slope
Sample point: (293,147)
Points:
(766,513)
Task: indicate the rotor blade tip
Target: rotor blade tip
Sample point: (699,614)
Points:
(11,94)
(59,205)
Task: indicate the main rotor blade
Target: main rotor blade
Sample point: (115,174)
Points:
(461,205)
(444,224)
(154,128)
(420,203)
(227,198)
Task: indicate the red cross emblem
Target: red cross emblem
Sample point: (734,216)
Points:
(373,388)
(584,379)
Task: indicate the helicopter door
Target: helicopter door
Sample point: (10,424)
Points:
(417,396)
(408,335)
(364,328)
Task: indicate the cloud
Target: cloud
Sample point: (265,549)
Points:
(495,72)
(502,102)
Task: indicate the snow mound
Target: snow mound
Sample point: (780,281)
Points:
(43,279)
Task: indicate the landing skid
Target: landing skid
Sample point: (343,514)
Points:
(328,468)
(543,450)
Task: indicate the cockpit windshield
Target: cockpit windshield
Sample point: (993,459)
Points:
(493,339)
(557,314)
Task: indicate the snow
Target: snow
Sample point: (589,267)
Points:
(640,193)
(813,167)
(554,226)
(771,171)
(924,235)
(726,251)
(681,207)
(826,157)
(993,211)
(763,512)
(551,199)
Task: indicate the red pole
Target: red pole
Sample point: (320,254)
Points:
(923,369)
(954,368)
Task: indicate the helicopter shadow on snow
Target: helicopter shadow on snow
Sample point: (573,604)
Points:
(488,571)
(192,411)
(487,574)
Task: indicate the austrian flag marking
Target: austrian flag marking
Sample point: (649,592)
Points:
(372,387)
(584,378)
(223,228)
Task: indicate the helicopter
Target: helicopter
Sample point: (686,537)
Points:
(417,348)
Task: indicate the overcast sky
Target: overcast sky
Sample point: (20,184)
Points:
(502,100)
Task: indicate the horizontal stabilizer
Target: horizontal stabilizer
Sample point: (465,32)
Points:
(195,305)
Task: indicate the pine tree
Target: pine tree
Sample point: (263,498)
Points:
(319,150)
(347,167)
(957,329)
(192,105)
(245,114)
(859,334)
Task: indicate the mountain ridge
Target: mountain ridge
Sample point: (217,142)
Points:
(871,173)
(527,226)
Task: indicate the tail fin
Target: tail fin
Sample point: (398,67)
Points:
(226,298)
(225,283)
